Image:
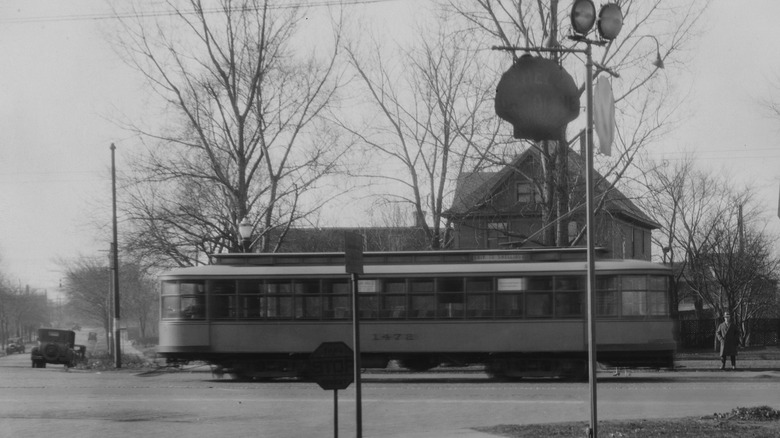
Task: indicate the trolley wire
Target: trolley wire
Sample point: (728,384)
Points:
(164,13)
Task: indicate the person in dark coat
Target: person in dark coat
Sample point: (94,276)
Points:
(728,337)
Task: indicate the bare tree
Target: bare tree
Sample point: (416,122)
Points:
(715,237)
(246,137)
(22,310)
(86,286)
(655,35)
(87,289)
(431,105)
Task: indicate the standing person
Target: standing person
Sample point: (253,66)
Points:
(728,336)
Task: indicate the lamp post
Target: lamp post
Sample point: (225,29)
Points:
(245,231)
(610,22)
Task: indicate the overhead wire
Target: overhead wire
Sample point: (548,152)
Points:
(164,13)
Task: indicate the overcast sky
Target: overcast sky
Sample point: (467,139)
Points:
(59,80)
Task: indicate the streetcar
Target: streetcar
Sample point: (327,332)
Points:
(516,312)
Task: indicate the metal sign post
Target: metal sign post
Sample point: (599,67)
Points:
(353,264)
(331,367)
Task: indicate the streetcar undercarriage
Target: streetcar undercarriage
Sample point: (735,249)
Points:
(569,365)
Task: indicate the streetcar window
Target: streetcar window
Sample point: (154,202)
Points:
(369,305)
(538,305)
(422,306)
(337,307)
(658,282)
(449,298)
(251,306)
(634,303)
(657,301)
(509,305)
(634,295)
(393,306)
(223,306)
(308,307)
(221,287)
(478,305)
(307,287)
(450,284)
(335,287)
(278,307)
(192,308)
(607,295)
(569,304)
(170,288)
(540,283)
(250,286)
(192,287)
(278,287)
(569,296)
(421,285)
(450,305)
(395,286)
(171,307)
(634,282)
(479,284)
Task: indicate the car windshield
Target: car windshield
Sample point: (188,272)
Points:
(52,336)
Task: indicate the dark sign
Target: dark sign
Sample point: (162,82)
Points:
(331,365)
(353,253)
(538,97)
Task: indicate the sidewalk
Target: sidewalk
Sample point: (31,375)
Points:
(748,359)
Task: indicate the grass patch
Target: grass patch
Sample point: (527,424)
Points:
(755,422)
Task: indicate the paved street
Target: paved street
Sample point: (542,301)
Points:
(193,403)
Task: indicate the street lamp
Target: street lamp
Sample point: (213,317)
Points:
(659,62)
(583,16)
(610,22)
(245,231)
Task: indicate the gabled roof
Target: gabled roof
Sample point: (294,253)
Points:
(474,189)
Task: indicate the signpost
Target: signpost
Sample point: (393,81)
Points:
(353,264)
(334,365)
(331,366)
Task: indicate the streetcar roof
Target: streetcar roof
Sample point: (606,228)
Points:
(463,269)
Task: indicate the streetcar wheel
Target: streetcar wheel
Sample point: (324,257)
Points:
(419,364)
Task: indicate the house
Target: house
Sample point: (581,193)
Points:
(504,209)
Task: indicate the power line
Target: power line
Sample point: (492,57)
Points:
(119,16)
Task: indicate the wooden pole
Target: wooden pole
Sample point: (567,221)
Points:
(115,268)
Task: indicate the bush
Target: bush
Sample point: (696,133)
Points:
(758,413)
(105,361)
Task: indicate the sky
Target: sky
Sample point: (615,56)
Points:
(60,81)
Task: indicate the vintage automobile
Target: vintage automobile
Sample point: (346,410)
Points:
(15,345)
(56,346)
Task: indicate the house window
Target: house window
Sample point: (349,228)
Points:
(526,193)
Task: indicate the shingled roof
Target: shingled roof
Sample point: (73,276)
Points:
(475,188)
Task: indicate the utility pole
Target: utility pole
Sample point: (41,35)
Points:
(115,267)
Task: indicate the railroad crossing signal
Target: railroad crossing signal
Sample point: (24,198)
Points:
(331,365)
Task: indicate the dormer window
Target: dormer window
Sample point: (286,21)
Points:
(526,193)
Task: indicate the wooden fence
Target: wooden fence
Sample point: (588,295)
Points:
(700,333)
